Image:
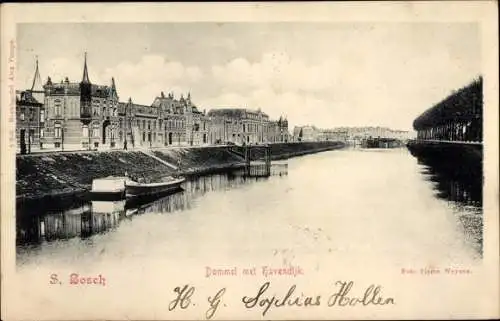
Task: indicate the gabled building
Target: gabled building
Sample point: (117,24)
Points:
(245,126)
(80,115)
(181,121)
(30,116)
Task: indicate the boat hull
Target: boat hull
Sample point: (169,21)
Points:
(107,196)
(135,190)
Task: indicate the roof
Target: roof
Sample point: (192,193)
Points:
(233,112)
(37,80)
(176,106)
(26,97)
(73,88)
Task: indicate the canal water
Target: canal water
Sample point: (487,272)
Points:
(338,205)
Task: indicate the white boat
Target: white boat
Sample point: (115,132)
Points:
(108,188)
(134,189)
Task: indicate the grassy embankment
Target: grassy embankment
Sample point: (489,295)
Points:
(53,175)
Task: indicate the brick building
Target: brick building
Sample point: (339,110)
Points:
(245,126)
(86,116)
(30,116)
(80,115)
(181,122)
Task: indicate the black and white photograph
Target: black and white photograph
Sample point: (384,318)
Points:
(268,169)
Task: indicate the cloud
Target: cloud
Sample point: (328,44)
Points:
(276,70)
(298,108)
(332,74)
(359,86)
(144,80)
(379,77)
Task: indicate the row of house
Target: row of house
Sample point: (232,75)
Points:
(376,131)
(312,133)
(82,115)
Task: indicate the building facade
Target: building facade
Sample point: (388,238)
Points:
(245,126)
(30,116)
(313,134)
(332,135)
(376,132)
(307,133)
(29,122)
(80,115)
(180,121)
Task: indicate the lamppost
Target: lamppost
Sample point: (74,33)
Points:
(89,134)
(62,135)
(30,115)
(112,140)
(63,126)
(224,122)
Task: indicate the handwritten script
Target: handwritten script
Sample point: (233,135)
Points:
(343,294)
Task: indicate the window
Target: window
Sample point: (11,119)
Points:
(85,131)
(41,132)
(42,115)
(57,130)
(95,132)
(57,107)
(22,115)
(32,135)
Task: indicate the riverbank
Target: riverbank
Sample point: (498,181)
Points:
(461,164)
(69,174)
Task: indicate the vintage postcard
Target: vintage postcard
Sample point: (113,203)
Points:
(235,161)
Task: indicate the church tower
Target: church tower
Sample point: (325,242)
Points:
(85,95)
(112,93)
(37,90)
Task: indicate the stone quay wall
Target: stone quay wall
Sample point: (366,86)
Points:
(69,174)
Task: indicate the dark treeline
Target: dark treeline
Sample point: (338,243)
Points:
(462,104)
(459,117)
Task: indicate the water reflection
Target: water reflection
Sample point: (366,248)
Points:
(49,223)
(462,189)
(467,191)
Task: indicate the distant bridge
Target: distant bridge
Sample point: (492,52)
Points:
(381,142)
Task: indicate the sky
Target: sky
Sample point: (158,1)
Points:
(323,74)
